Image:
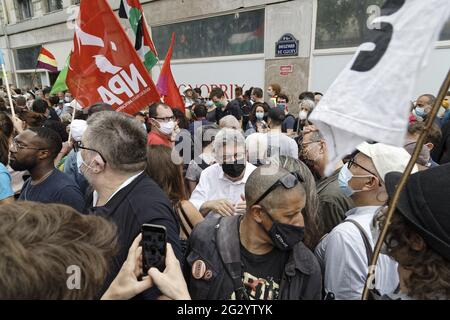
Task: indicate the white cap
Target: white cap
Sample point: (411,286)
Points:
(386,158)
(78,127)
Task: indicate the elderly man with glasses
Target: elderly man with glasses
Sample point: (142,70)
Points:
(221,186)
(259,255)
(333,203)
(346,252)
(113,159)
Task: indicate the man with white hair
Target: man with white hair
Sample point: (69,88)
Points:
(222,185)
(346,252)
(229,122)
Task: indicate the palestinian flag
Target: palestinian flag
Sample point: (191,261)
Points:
(132,10)
(47,61)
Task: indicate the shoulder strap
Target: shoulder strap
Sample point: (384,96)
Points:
(228,246)
(369,250)
(185,216)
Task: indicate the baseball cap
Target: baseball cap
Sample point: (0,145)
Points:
(386,158)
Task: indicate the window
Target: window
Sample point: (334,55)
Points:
(25,9)
(26,58)
(343,23)
(234,34)
(54,5)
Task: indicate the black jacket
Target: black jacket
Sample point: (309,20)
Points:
(141,202)
(216,242)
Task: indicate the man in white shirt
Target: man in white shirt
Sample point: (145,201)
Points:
(222,186)
(345,253)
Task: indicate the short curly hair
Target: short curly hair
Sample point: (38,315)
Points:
(40,242)
(430,272)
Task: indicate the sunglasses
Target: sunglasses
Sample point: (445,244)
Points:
(289,181)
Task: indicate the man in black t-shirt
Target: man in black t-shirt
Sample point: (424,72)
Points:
(264,246)
(35,150)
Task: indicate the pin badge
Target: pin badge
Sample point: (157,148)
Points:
(198,269)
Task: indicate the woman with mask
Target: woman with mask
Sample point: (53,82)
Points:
(257,119)
(306,107)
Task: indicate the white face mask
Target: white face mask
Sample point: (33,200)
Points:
(81,163)
(167,127)
(303,115)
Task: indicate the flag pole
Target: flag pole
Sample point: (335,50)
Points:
(33,78)
(401,185)
(8,90)
(74,111)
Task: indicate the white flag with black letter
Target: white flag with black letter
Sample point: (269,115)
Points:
(370,99)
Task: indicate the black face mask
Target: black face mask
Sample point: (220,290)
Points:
(233,170)
(285,236)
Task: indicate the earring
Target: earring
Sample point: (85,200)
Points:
(385,197)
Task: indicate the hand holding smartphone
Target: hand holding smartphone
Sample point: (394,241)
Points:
(154,241)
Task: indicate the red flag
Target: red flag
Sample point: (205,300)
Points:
(167,86)
(104,65)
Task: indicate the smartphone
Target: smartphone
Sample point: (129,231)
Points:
(154,241)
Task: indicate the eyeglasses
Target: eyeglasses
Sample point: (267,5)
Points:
(352,163)
(289,181)
(233,158)
(18,146)
(79,145)
(166,119)
(304,144)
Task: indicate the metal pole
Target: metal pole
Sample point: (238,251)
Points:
(396,197)
(8,46)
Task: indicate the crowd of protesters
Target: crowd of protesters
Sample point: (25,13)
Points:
(240,188)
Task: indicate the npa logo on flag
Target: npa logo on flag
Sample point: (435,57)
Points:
(104,65)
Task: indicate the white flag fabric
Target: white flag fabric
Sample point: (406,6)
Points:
(370,99)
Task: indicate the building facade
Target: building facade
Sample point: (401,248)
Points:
(300,44)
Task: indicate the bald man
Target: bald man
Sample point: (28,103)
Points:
(264,247)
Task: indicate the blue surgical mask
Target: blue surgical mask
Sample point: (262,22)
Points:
(420,112)
(345,175)
(260,116)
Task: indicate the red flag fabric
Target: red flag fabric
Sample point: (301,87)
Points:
(104,66)
(167,86)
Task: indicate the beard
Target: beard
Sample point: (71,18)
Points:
(311,166)
(20,166)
